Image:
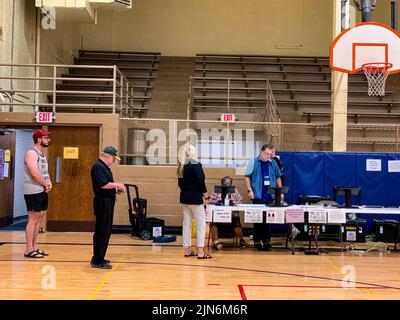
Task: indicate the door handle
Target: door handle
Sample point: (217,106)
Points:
(58,169)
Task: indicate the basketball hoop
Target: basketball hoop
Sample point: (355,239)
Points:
(376,73)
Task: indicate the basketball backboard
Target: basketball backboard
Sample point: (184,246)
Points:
(367,42)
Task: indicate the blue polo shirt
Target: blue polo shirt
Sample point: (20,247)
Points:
(257,170)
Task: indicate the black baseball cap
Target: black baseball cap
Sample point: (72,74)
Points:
(112,152)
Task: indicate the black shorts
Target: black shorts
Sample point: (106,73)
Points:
(37,202)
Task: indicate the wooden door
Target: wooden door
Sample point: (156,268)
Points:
(7,142)
(71,200)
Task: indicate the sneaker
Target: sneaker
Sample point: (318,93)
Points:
(265,247)
(257,245)
(218,245)
(103,265)
(242,243)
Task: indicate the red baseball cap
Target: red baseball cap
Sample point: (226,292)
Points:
(39,133)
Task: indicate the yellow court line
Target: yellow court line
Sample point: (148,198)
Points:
(106,278)
(333,265)
(338,269)
(371,294)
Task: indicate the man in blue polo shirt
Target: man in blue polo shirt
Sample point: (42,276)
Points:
(262,172)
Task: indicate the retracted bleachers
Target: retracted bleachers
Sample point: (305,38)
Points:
(360,138)
(139,68)
(301,88)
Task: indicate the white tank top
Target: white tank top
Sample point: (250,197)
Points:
(30,185)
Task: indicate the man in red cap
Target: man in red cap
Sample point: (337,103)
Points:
(37,185)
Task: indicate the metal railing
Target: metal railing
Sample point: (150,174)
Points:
(127,2)
(262,102)
(224,144)
(3,97)
(373,138)
(39,82)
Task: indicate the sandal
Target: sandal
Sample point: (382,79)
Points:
(191,254)
(206,256)
(33,254)
(42,252)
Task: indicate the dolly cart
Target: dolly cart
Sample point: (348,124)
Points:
(137,213)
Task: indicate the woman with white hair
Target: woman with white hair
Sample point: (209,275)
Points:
(193,196)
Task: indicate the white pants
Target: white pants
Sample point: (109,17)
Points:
(197,213)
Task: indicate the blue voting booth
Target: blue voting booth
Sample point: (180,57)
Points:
(317,173)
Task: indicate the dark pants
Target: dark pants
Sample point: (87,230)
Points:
(104,212)
(262,231)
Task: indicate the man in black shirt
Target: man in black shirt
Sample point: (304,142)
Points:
(104,189)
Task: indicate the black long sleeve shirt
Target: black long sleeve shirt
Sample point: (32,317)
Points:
(192,184)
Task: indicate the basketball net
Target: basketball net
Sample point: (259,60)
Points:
(376,73)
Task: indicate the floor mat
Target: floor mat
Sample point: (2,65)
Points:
(18,225)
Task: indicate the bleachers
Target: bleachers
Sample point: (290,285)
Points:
(301,87)
(242,95)
(354,117)
(139,68)
(361,137)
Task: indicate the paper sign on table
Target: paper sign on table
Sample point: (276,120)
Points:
(336,216)
(251,206)
(253,215)
(316,216)
(294,215)
(209,213)
(275,215)
(222,214)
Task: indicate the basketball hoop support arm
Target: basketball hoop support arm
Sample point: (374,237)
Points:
(343,10)
(366,7)
(393,7)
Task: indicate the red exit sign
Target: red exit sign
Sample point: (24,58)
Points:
(228,117)
(44,117)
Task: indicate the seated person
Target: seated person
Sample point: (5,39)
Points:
(234,198)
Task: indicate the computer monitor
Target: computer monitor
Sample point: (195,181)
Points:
(277,191)
(224,190)
(348,193)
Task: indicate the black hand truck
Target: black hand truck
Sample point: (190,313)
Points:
(137,213)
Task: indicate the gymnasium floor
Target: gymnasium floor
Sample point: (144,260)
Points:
(142,270)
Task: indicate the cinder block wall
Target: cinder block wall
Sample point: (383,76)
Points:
(159,185)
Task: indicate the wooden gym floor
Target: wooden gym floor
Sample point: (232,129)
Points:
(142,270)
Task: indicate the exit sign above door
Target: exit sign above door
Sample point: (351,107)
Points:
(44,117)
(228,117)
